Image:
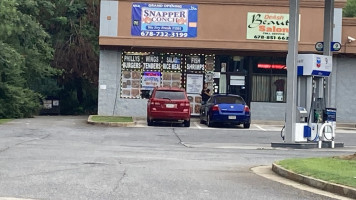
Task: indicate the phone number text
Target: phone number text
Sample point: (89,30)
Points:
(163,34)
(270,37)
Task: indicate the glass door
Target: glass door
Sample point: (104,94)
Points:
(236,84)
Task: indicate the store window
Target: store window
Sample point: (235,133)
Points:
(142,71)
(269,79)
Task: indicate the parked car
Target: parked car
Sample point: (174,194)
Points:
(168,104)
(225,108)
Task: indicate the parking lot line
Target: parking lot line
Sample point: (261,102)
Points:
(260,127)
(197,125)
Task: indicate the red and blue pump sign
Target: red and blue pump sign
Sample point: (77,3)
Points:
(164,20)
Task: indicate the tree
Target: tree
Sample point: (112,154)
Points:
(350,9)
(25,55)
(74,29)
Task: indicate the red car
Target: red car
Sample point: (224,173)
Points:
(168,104)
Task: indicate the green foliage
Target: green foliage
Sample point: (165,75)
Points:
(43,43)
(25,55)
(329,169)
(2,121)
(17,102)
(350,9)
(111,119)
(74,29)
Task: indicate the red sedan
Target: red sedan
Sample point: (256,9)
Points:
(168,104)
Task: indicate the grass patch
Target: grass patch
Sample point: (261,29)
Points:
(4,120)
(335,170)
(111,119)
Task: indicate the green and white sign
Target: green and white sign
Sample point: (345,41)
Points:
(267,26)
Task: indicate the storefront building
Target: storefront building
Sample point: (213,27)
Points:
(235,46)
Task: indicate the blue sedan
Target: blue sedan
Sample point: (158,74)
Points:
(225,108)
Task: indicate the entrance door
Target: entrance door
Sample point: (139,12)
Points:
(236,84)
(233,75)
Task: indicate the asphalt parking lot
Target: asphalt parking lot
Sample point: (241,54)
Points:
(64,157)
(255,125)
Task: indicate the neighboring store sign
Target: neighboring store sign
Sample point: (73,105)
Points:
(267,26)
(164,20)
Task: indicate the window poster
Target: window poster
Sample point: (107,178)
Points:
(195,103)
(194,83)
(172,70)
(164,20)
(151,80)
(210,63)
(130,84)
(171,79)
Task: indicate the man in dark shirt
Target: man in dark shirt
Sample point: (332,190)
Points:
(205,95)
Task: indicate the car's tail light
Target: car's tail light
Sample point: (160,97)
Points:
(185,104)
(156,103)
(215,108)
(247,109)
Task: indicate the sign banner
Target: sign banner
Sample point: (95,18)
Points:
(151,79)
(267,26)
(164,20)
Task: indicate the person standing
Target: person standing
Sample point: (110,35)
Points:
(205,93)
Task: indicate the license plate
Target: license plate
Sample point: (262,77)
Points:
(170,105)
(232,117)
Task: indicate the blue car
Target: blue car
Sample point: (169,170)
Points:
(227,109)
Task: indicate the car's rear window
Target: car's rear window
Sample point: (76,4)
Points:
(168,94)
(229,100)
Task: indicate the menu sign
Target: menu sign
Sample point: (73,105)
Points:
(131,61)
(172,63)
(151,62)
(195,63)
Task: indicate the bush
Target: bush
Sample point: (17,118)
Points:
(17,102)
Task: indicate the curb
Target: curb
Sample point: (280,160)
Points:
(113,124)
(342,190)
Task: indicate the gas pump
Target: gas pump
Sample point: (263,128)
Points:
(315,122)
